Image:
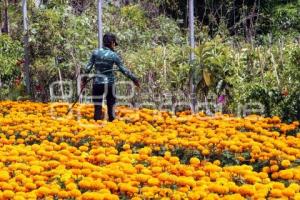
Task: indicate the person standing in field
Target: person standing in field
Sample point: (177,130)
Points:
(104,59)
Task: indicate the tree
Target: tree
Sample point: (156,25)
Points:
(4,25)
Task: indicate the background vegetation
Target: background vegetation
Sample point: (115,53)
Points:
(246,50)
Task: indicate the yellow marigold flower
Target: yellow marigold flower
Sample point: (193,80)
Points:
(111,185)
(30,186)
(4,175)
(83,148)
(8,194)
(156,169)
(286,174)
(35,169)
(71,186)
(75,193)
(153,181)
(278,185)
(126,146)
(285,163)
(194,161)
(274,168)
(85,184)
(288,192)
(276,193)
(295,187)
(247,190)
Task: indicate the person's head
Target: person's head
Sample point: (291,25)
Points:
(110,41)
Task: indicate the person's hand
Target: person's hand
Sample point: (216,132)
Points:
(137,83)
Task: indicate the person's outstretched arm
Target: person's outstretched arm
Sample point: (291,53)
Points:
(125,71)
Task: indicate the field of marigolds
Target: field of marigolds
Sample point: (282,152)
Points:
(145,154)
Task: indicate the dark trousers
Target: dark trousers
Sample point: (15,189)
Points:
(98,94)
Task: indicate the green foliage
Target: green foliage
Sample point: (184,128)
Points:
(290,106)
(58,34)
(268,75)
(173,4)
(268,97)
(214,59)
(11,52)
(185,154)
(286,19)
(167,31)
(228,158)
(155,48)
(163,69)
(135,15)
(10,65)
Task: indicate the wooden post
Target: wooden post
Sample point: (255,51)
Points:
(26,49)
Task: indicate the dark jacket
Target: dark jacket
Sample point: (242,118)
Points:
(104,60)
